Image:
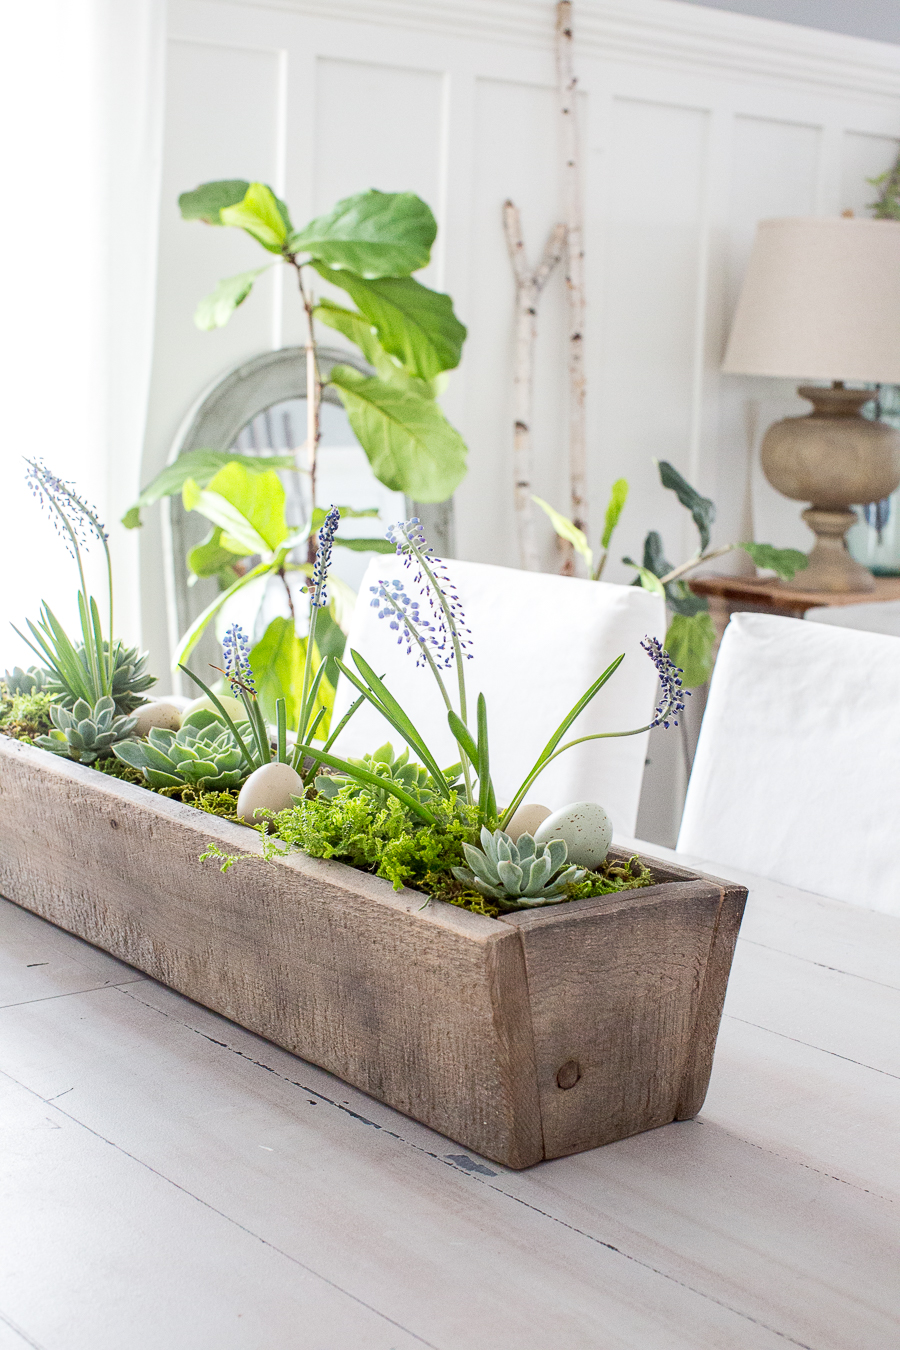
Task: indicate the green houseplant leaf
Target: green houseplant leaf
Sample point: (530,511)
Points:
(702,509)
(206,201)
(689,642)
(215,309)
(783,561)
(261,214)
(566,529)
(410,444)
(413,323)
(617,498)
(248,506)
(277,662)
(211,558)
(202,466)
(374,234)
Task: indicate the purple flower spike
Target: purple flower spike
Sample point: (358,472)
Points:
(236,654)
(672,695)
(430,628)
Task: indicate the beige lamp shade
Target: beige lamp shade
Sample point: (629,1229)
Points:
(820,301)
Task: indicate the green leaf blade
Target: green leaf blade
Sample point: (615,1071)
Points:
(615,506)
(690,641)
(202,466)
(261,214)
(207,201)
(215,309)
(785,562)
(374,234)
(410,445)
(702,509)
(413,323)
(567,529)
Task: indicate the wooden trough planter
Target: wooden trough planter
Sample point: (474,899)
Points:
(534,1036)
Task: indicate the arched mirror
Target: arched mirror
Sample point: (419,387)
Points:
(259,409)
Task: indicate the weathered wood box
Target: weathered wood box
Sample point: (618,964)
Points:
(535,1036)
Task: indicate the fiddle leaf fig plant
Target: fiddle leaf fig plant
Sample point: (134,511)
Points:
(367,247)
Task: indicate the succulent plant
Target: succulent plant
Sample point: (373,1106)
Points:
(203,753)
(84,733)
(130,678)
(518,875)
(414,778)
(31,681)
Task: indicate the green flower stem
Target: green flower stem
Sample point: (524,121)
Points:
(234,731)
(460,672)
(281,729)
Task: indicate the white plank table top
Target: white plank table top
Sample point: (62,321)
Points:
(169,1181)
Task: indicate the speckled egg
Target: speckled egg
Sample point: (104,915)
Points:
(269,788)
(527,819)
(159,713)
(586,829)
(233,706)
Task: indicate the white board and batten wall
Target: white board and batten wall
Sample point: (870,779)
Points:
(695,124)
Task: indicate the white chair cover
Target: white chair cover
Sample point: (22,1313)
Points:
(881,616)
(538,642)
(797,772)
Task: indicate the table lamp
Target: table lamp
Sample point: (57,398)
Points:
(821,301)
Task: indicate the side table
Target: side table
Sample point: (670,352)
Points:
(731,595)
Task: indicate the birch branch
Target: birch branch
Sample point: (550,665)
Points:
(573,215)
(529,284)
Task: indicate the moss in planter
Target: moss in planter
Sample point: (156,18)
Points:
(222,804)
(25,716)
(381,837)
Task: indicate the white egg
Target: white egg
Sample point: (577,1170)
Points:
(159,713)
(269,788)
(527,819)
(233,706)
(586,829)
(180,700)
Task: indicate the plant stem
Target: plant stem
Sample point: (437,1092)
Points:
(457,648)
(313,397)
(691,563)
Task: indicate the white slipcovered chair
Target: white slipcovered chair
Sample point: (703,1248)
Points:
(797,771)
(538,642)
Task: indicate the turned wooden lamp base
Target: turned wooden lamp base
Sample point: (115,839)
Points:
(834,458)
(831,568)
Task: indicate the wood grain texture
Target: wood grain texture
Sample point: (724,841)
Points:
(541,1035)
(621,1012)
(423,1008)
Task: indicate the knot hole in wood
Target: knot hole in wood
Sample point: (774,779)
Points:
(568,1075)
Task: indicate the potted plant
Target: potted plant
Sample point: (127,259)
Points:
(494,971)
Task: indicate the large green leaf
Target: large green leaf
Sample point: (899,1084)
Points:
(248,506)
(375,234)
(414,324)
(410,444)
(212,557)
(703,509)
(567,529)
(360,331)
(206,201)
(377,545)
(784,561)
(690,642)
(277,662)
(202,466)
(647,579)
(617,498)
(258,213)
(215,309)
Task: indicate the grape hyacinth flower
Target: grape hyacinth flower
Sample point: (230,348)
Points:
(406,617)
(446,632)
(73,519)
(318,591)
(236,654)
(672,694)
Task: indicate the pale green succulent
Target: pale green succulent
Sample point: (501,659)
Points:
(129,682)
(413,778)
(34,680)
(84,733)
(203,753)
(520,875)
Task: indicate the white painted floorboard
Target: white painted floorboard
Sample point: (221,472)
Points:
(171,1181)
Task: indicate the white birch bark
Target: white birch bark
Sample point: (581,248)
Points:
(529,284)
(573,216)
